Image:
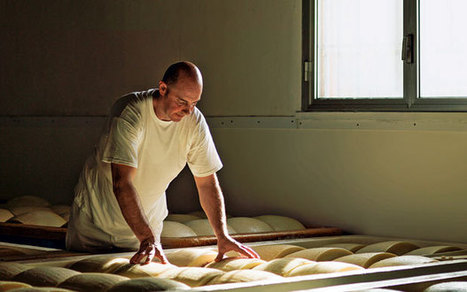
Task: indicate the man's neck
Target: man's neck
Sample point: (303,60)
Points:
(157,106)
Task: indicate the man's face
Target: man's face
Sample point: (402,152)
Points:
(179,99)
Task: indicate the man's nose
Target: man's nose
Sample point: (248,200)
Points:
(188,109)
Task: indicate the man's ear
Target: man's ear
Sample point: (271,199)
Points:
(162,88)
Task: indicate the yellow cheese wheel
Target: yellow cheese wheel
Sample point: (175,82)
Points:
(320,253)
(61,210)
(9,270)
(281,223)
(7,251)
(40,217)
(41,289)
(192,276)
(199,214)
(147,284)
(395,247)
(353,247)
(181,218)
(202,227)
(91,282)
(176,229)
(282,267)
(430,250)
(139,271)
(10,285)
(322,268)
(365,259)
(404,260)
(235,263)
(274,251)
(5,215)
(27,201)
(191,257)
(44,276)
(244,276)
(20,210)
(450,286)
(98,264)
(248,225)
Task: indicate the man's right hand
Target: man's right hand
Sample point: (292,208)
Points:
(148,249)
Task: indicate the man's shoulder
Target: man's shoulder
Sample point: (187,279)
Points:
(196,118)
(134,100)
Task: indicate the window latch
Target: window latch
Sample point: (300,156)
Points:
(407,49)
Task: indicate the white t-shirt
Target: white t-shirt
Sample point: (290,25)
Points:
(158,149)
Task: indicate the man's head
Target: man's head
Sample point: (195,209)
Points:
(180,89)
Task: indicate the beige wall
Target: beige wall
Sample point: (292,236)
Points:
(74,58)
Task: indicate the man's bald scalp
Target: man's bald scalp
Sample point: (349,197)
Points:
(186,68)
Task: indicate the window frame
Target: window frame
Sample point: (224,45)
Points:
(410,102)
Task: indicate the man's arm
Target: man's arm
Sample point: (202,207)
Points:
(212,201)
(130,205)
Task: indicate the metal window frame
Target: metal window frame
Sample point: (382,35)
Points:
(411,100)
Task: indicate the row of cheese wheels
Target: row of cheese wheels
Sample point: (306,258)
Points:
(33,210)
(196,266)
(62,279)
(187,225)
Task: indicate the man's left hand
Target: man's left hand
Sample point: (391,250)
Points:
(148,249)
(227,243)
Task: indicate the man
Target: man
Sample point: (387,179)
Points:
(120,197)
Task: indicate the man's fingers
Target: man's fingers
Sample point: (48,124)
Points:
(220,256)
(251,252)
(160,255)
(246,251)
(136,259)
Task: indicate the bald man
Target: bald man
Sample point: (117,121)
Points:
(120,199)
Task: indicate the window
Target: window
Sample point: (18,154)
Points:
(388,55)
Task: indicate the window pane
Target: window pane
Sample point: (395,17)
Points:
(443,48)
(359,48)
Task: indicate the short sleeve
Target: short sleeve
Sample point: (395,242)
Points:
(203,159)
(123,140)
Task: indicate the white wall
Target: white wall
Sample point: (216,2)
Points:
(73,59)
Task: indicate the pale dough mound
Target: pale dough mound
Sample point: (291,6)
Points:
(98,264)
(9,270)
(322,268)
(87,282)
(192,276)
(281,223)
(235,263)
(365,259)
(458,286)
(320,253)
(27,201)
(191,257)
(181,218)
(429,250)
(5,215)
(139,271)
(40,217)
(10,285)
(404,260)
(176,229)
(147,284)
(202,227)
(353,247)
(45,276)
(270,252)
(395,247)
(282,267)
(244,276)
(248,225)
